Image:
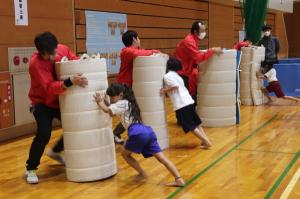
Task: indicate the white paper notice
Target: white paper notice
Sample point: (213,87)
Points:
(21,13)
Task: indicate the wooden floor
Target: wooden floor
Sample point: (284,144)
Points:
(256,159)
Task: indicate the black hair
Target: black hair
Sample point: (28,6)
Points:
(128,36)
(195,27)
(266,27)
(46,43)
(116,89)
(173,64)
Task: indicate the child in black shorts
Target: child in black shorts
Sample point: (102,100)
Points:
(183,104)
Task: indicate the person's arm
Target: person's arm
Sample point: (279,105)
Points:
(195,53)
(70,55)
(143,52)
(46,80)
(259,75)
(169,86)
(102,104)
(168,90)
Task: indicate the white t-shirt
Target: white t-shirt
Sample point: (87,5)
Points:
(121,109)
(271,75)
(180,97)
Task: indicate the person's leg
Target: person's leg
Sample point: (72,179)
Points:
(59,146)
(55,151)
(118,130)
(266,93)
(291,98)
(43,117)
(172,169)
(126,154)
(199,132)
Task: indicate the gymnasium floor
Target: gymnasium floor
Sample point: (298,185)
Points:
(257,159)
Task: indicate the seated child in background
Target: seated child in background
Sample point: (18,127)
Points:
(183,104)
(141,138)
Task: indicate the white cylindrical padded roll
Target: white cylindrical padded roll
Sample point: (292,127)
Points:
(148,72)
(258,55)
(88,137)
(251,86)
(216,101)
(245,76)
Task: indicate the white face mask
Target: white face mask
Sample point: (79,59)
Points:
(267,33)
(202,35)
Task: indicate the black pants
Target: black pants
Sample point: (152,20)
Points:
(43,116)
(185,81)
(119,129)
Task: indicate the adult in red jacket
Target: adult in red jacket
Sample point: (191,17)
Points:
(132,50)
(187,51)
(43,94)
(128,54)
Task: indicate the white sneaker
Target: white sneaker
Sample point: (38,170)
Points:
(56,156)
(31,177)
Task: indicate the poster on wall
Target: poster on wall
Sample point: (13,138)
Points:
(104,35)
(21,13)
(18,58)
(21,85)
(6,102)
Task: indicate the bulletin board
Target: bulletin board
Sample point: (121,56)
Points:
(104,35)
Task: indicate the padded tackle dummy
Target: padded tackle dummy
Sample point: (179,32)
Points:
(88,137)
(148,72)
(217,98)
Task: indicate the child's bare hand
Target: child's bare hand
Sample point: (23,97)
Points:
(162,91)
(99,97)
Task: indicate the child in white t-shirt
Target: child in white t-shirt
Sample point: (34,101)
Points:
(141,138)
(183,104)
(274,85)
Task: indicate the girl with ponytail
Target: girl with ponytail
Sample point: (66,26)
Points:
(141,138)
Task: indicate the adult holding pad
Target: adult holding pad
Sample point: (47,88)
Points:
(44,92)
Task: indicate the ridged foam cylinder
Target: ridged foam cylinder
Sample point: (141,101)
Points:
(250,89)
(88,138)
(245,80)
(258,55)
(148,72)
(216,98)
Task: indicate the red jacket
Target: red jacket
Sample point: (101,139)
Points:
(241,44)
(44,88)
(128,54)
(187,51)
(193,82)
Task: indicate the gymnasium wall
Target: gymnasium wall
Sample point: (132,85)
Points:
(55,16)
(161,24)
(292,23)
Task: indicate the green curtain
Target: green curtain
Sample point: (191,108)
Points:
(254,13)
